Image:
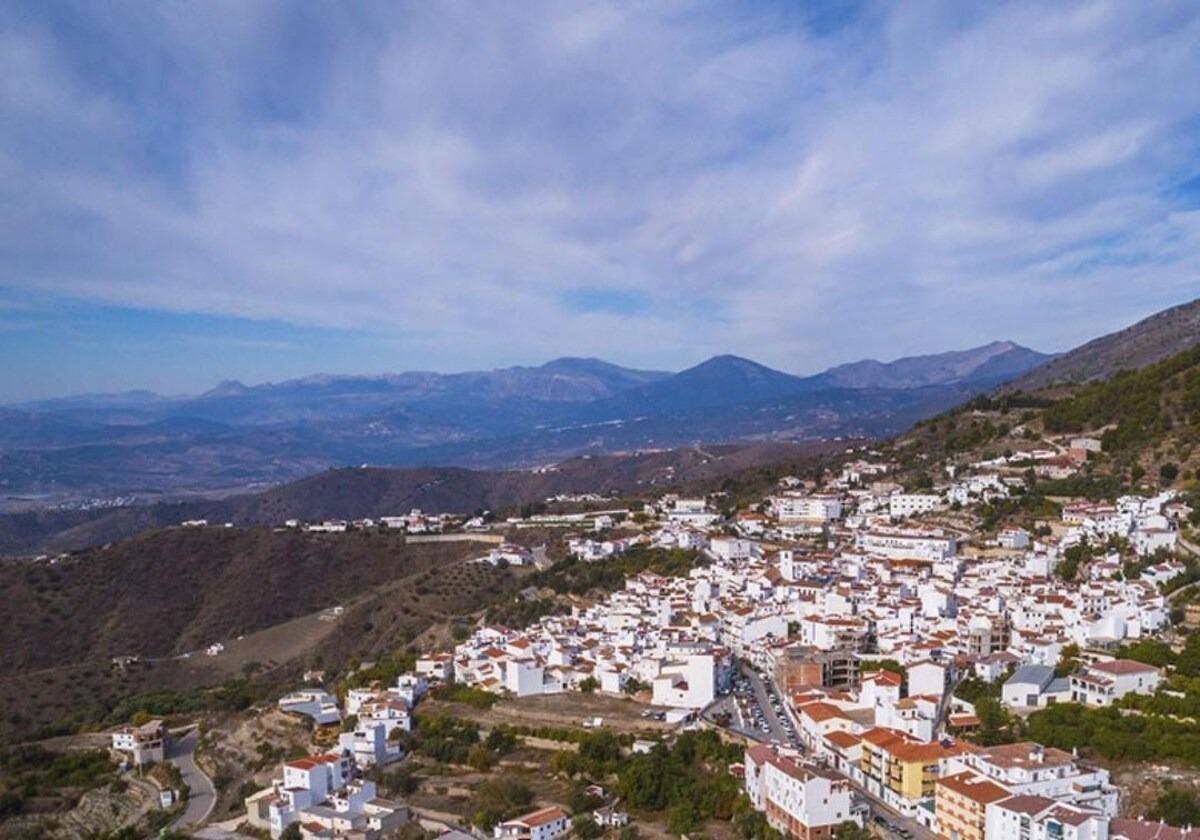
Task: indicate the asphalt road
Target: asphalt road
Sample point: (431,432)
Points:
(202,796)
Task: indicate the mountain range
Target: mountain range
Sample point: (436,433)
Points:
(237,436)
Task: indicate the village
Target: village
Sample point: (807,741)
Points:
(827,629)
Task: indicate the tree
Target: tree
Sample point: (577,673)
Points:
(683,817)
(994,722)
(1168,472)
(589,685)
(585,827)
(1177,807)
(292,832)
(634,686)
(480,758)
(1073,558)
(1068,660)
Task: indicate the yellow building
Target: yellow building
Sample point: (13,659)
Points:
(900,769)
(961,802)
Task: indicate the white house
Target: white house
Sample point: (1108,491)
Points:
(319,791)
(315,703)
(798,800)
(1040,818)
(437,666)
(1035,685)
(901,505)
(143,744)
(1102,683)
(927,677)
(689,683)
(543,824)
(369,745)
(1029,768)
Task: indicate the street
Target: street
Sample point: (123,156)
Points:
(202,796)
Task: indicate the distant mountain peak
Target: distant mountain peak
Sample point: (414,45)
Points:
(227,388)
(989,363)
(728,361)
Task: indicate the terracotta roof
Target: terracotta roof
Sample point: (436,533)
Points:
(842,738)
(1125,829)
(312,761)
(819,712)
(1023,755)
(974,787)
(1122,666)
(545,815)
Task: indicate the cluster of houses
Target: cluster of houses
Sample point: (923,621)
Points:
(413,522)
(864,605)
(1147,523)
(888,580)
(327,794)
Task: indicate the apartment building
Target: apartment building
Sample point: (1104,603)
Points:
(900,769)
(901,505)
(961,802)
(906,543)
(1031,817)
(803,802)
(1029,768)
(797,667)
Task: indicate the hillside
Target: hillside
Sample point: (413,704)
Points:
(1148,422)
(165,595)
(166,592)
(355,492)
(1153,339)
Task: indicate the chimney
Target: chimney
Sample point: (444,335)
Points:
(1037,753)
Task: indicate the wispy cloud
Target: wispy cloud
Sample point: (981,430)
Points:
(490,182)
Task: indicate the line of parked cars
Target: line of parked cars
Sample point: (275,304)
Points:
(899,830)
(748,707)
(781,715)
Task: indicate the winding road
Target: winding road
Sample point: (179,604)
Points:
(202,796)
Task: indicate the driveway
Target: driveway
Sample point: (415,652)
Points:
(201,794)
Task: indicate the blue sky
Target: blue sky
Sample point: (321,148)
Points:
(198,191)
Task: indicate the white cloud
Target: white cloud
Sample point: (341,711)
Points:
(919,178)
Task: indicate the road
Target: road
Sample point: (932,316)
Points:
(201,794)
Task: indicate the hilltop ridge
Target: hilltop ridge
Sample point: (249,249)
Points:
(1150,340)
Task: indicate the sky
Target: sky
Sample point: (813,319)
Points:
(196,191)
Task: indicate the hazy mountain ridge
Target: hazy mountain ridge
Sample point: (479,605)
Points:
(996,360)
(235,435)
